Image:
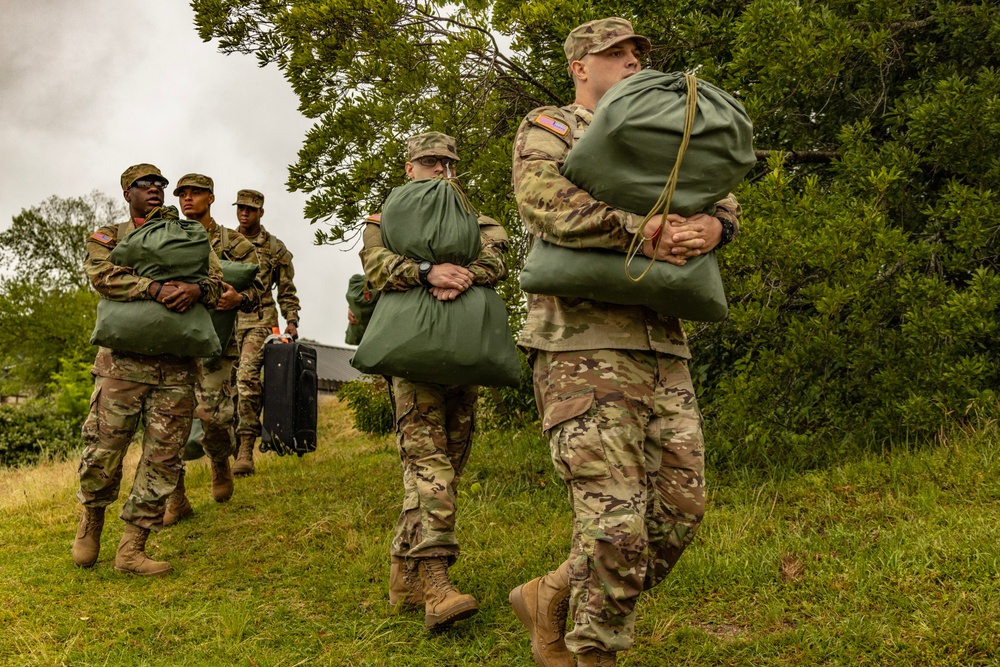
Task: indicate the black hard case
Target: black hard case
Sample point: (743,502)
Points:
(289,397)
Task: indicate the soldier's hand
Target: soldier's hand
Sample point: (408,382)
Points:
(695,235)
(445,294)
(230,299)
(181,296)
(292,331)
(450,276)
(350,317)
(658,236)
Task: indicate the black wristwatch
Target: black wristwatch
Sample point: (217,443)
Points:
(728,230)
(203,286)
(424,270)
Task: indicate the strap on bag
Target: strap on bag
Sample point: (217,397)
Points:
(662,204)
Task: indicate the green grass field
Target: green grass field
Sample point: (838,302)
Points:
(888,560)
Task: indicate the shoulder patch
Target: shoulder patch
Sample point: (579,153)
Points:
(375,218)
(102,238)
(549,123)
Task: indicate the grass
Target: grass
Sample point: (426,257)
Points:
(887,560)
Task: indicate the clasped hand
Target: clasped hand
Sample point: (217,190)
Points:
(448,281)
(178,296)
(683,238)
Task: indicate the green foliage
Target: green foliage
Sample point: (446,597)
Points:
(368,399)
(36,431)
(508,407)
(71,387)
(863,283)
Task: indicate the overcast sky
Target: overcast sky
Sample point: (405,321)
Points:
(89,88)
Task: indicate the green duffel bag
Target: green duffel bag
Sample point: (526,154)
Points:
(164,248)
(632,146)
(691,292)
(659,143)
(361,300)
(192,448)
(240,276)
(413,335)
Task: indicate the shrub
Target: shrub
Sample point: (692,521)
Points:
(368,399)
(36,431)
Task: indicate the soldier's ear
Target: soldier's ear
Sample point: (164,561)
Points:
(261,209)
(127,194)
(211,199)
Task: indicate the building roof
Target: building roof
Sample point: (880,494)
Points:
(333,364)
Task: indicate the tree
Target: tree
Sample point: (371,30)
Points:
(47,308)
(862,289)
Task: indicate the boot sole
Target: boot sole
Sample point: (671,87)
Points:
(125,570)
(455,614)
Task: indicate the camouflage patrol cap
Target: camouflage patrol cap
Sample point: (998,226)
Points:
(195,181)
(137,171)
(431,143)
(596,36)
(250,198)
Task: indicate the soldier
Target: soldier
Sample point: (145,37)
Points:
(611,383)
(434,423)
(127,386)
(253,328)
(214,390)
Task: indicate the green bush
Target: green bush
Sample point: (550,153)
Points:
(368,399)
(36,431)
(71,387)
(508,407)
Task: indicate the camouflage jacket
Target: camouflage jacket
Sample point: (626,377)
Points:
(388,271)
(555,210)
(232,246)
(275,270)
(121,283)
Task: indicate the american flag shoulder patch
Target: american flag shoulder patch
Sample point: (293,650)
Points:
(374,217)
(101,237)
(552,125)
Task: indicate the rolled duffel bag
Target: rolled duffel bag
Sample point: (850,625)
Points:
(164,248)
(361,300)
(658,143)
(413,335)
(240,276)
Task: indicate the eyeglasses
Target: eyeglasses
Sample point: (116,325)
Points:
(431,160)
(146,183)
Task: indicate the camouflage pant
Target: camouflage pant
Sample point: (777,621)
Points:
(251,346)
(625,435)
(214,394)
(115,409)
(434,426)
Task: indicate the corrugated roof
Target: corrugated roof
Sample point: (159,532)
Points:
(333,363)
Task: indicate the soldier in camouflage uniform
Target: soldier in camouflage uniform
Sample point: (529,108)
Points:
(434,423)
(252,329)
(127,386)
(214,390)
(611,383)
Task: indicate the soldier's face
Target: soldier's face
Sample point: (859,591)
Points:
(248,216)
(195,202)
(416,171)
(606,68)
(144,195)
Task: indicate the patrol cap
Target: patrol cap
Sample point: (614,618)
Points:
(600,34)
(137,171)
(431,143)
(250,198)
(195,181)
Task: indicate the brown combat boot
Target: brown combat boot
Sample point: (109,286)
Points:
(222,480)
(595,658)
(87,543)
(244,456)
(405,587)
(178,506)
(132,558)
(443,603)
(542,605)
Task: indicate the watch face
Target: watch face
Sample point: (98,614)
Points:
(424,266)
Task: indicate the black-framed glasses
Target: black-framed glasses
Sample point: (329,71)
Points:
(146,183)
(431,160)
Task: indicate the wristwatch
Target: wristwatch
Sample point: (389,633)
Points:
(728,230)
(203,286)
(423,270)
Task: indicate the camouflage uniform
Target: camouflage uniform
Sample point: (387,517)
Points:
(614,393)
(434,423)
(214,391)
(253,328)
(127,386)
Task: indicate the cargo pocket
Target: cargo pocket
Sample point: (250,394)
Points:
(91,425)
(575,438)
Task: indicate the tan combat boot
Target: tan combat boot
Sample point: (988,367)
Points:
(443,603)
(244,456)
(178,506)
(222,480)
(596,658)
(405,587)
(131,557)
(542,605)
(87,543)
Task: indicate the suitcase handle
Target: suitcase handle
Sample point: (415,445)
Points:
(278,336)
